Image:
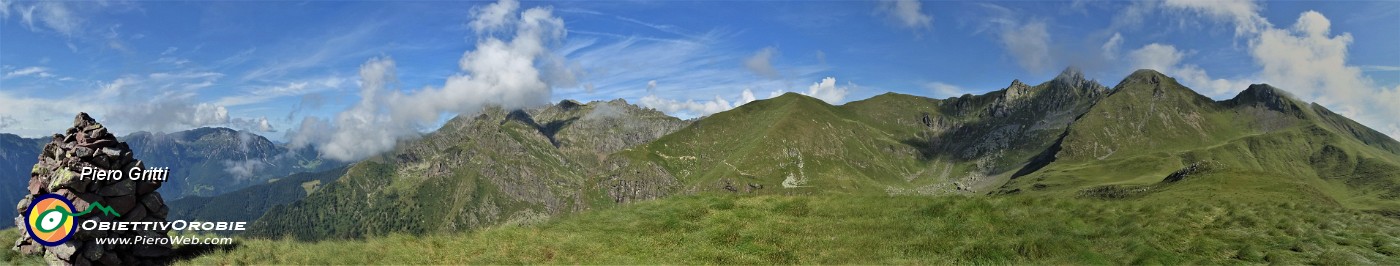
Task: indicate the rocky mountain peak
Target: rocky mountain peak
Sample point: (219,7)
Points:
(568,105)
(1071,75)
(1263,92)
(1268,97)
(1074,79)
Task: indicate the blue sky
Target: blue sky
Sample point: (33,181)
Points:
(283,67)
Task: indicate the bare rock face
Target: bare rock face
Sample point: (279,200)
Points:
(88,144)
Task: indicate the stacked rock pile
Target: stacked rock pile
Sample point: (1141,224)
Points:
(88,144)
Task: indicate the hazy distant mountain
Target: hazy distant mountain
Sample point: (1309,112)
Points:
(213,161)
(17,158)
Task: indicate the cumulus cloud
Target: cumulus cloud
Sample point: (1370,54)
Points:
(908,13)
(688,107)
(1305,56)
(826,90)
(157,101)
(1308,60)
(745,97)
(761,63)
(1168,60)
(494,16)
(168,114)
(260,124)
(651,86)
(693,108)
(501,71)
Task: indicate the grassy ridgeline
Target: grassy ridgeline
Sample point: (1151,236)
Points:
(884,230)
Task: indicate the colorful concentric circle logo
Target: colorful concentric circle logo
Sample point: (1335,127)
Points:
(50,219)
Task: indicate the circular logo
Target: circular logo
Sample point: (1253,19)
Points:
(49,219)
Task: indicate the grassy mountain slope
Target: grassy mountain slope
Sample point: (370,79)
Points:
(1152,135)
(790,143)
(1147,173)
(888,144)
(478,170)
(775,229)
(249,203)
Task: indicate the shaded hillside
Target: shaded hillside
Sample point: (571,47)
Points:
(247,204)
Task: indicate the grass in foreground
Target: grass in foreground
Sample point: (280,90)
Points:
(884,230)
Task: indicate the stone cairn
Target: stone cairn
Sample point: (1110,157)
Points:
(88,144)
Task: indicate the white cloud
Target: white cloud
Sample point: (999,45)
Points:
(260,124)
(1243,13)
(35,71)
(691,107)
(693,68)
(5,9)
(243,169)
(945,90)
(1030,44)
(1111,47)
(167,114)
(500,72)
(7,121)
(494,16)
(1307,60)
(290,89)
(908,13)
(1155,56)
(651,86)
(1027,40)
(54,15)
(33,117)
(761,63)
(1380,68)
(826,90)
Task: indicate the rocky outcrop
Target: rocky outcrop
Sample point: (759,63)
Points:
(88,144)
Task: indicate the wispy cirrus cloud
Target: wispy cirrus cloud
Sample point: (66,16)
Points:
(34,71)
(289,89)
(686,76)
